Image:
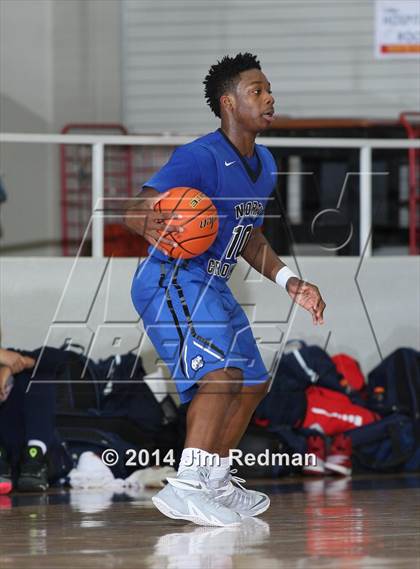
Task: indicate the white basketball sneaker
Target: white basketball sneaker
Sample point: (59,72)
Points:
(230,492)
(188,497)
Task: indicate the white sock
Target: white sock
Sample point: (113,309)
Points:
(37,443)
(195,457)
(221,469)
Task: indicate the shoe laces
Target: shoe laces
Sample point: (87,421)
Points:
(236,479)
(209,493)
(230,486)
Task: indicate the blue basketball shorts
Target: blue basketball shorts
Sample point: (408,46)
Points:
(195,323)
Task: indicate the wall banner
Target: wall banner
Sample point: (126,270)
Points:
(397,29)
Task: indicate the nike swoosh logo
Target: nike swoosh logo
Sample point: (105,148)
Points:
(229,163)
(190,484)
(258,503)
(179,483)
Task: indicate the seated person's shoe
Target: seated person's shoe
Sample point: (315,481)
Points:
(188,497)
(339,456)
(230,493)
(33,474)
(316,447)
(6,485)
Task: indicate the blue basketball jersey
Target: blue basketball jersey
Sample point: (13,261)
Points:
(213,165)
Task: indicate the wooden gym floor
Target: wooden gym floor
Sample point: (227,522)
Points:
(366,522)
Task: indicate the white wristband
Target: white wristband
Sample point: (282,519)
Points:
(284,275)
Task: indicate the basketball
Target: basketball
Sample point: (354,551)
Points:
(199,221)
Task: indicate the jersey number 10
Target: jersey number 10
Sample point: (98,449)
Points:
(238,241)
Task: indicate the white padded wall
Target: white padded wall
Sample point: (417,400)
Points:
(318,55)
(50,300)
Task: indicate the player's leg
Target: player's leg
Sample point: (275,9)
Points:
(239,415)
(228,488)
(190,496)
(217,393)
(256,379)
(191,354)
(244,348)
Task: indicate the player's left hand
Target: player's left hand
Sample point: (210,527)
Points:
(308,296)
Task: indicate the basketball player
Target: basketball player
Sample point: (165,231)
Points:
(187,308)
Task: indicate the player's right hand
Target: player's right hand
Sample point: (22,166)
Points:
(151,224)
(158,224)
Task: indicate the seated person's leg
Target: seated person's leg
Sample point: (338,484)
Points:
(39,423)
(12,435)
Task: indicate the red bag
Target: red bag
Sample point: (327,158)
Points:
(333,412)
(349,368)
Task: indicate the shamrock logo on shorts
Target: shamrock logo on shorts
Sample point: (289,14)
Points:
(197,363)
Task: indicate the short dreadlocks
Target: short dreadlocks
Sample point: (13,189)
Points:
(223,76)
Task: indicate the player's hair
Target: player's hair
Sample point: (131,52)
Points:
(224,74)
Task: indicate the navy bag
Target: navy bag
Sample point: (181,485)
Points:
(306,365)
(79,440)
(77,383)
(294,442)
(112,388)
(125,394)
(392,444)
(394,385)
(103,404)
(59,460)
(389,445)
(284,447)
(298,369)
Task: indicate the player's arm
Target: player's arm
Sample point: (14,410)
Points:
(260,255)
(141,217)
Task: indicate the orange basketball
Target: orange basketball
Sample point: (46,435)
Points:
(199,221)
